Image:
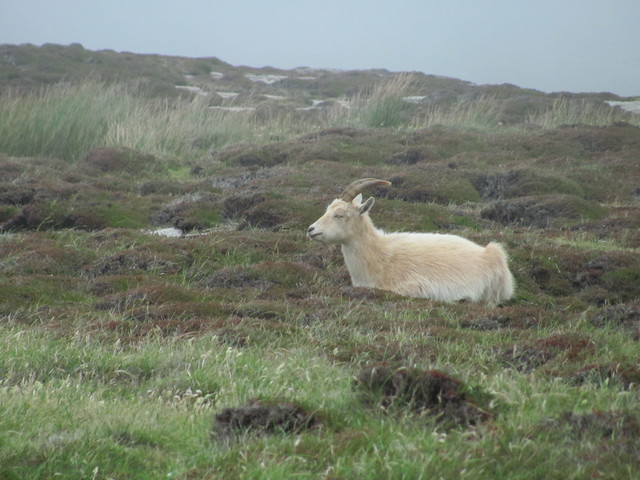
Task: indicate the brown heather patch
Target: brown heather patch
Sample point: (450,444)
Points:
(625,315)
(346,145)
(39,254)
(169,298)
(594,276)
(616,272)
(257,244)
(136,259)
(620,225)
(250,155)
(522,182)
(432,183)
(413,155)
(595,140)
(542,211)
(163,186)
(445,398)
(110,284)
(262,276)
(16,194)
(120,160)
(38,216)
(268,214)
(235,207)
(234,278)
(10,170)
(195,211)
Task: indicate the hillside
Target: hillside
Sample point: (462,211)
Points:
(29,66)
(162,313)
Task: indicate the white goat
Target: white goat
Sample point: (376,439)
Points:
(427,265)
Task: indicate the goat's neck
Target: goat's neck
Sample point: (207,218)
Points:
(364,256)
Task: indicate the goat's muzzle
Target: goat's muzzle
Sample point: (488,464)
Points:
(312,234)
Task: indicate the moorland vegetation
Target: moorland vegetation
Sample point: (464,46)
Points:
(238,348)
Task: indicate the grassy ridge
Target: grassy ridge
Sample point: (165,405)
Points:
(121,349)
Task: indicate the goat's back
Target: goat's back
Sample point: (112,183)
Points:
(445,267)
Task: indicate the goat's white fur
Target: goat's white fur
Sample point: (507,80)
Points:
(427,265)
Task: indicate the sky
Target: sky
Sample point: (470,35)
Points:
(548,45)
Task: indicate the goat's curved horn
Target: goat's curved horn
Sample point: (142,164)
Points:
(359,186)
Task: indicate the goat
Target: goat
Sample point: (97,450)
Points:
(441,267)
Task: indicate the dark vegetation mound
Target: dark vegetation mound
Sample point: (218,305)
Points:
(443,397)
(262,418)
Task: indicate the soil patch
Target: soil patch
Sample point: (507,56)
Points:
(424,391)
(260,418)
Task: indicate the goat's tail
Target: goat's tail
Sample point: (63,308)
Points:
(501,284)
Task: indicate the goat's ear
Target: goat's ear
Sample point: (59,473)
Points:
(366,206)
(357,201)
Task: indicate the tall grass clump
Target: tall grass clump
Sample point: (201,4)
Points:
(66,121)
(483,113)
(59,121)
(565,111)
(381,106)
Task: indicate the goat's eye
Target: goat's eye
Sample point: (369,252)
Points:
(337,215)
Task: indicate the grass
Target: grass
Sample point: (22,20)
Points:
(570,112)
(68,120)
(119,348)
(481,114)
(146,411)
